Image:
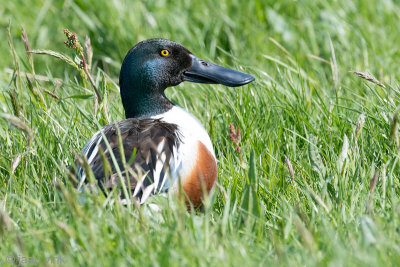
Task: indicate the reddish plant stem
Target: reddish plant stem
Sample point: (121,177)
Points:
(90,77)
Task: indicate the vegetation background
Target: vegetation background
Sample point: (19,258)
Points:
(318,184)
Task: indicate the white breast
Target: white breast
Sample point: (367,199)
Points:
(191,132)
(190,128)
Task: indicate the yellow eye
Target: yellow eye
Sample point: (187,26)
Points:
(164,52)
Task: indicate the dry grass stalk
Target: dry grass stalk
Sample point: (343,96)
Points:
(279,46)
(5,222)
(57,81)
(383,182)
(372,184)
(360,123)
(14,102)
(305,234)
(27,47)
(66,229)
(334,66)
(15,163)
(18,123)
(373,181)
(290,167)
(64,58)
(368,77)
(394,133)
(319,200)
(50,93)
(291,172)
(223,191)
(88,52)
(319,59)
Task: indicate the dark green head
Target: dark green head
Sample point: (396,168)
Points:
(155,64)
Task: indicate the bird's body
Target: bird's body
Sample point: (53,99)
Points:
(196,158)
(161,143)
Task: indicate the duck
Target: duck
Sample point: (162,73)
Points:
(159,147)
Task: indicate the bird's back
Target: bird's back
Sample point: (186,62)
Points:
(143,150)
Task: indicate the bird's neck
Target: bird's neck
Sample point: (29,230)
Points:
(138,104)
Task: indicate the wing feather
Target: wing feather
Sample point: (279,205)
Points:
(156,144)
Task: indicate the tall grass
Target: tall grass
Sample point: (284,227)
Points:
(318,184)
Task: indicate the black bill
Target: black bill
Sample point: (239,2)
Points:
(202,71)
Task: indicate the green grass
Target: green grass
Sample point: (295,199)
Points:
(300,106)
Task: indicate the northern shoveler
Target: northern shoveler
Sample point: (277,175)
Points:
(167,142)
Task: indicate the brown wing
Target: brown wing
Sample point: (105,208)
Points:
(154,142)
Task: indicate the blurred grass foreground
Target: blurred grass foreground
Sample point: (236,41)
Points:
(316,182)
